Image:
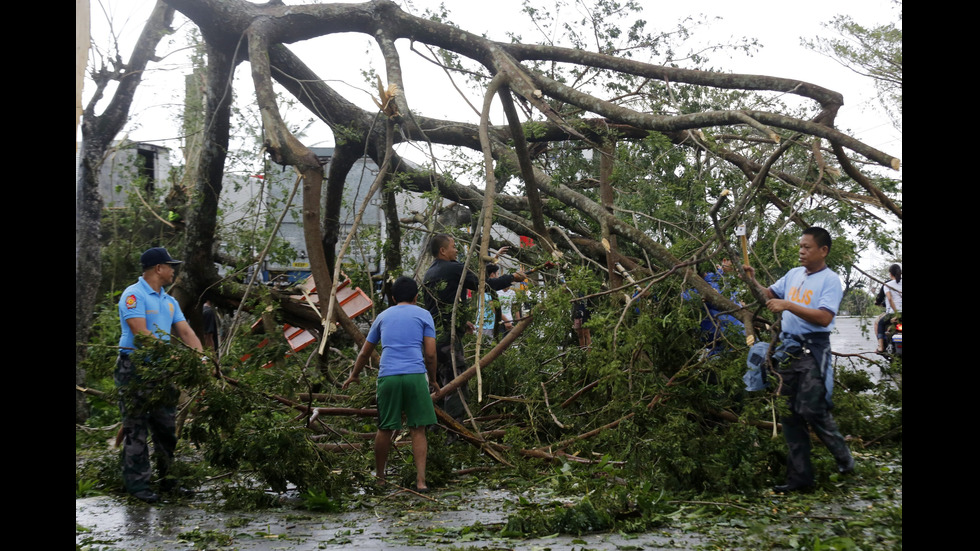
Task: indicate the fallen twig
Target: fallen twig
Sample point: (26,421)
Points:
(548,405)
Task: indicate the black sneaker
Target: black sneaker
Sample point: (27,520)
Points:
(146,496)
(790,488)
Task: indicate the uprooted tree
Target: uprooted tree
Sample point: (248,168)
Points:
(619,163)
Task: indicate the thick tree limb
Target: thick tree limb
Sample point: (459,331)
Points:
(285,148)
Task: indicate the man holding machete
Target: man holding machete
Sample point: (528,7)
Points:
(808,298)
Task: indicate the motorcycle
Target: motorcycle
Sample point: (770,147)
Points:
(893,337)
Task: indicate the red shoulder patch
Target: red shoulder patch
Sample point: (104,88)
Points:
(131,302)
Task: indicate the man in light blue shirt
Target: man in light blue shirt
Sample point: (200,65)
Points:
(807,298)
(406,376)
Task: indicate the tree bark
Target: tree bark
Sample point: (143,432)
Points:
(98,132)
(206,170)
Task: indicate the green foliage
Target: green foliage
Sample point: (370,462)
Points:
(100,361)
(533,129)
(346,134)
(97,468)
(863,406)
(85,488)
(871,51)
(607,506)
(242,498)
(563,518)
(162,368)
(318,500)
(206,539)
(238,431)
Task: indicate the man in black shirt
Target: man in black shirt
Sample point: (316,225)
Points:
(440,287)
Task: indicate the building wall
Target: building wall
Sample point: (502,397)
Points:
(124,163)
(240,193)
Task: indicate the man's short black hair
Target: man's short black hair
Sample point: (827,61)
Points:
(820,235)
(404,289)
(439,241)
(492,269)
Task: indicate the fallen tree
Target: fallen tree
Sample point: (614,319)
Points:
(641,198)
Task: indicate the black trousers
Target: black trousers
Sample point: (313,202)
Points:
(452,404)
(804,388)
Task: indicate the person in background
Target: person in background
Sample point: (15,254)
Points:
(507,298)
(580,316)
(440,287)
(491,315)
(715,324)
(893,303)
(210,320)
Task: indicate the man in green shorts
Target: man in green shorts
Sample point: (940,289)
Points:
(406,376)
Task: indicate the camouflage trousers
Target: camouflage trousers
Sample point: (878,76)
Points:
(139,423)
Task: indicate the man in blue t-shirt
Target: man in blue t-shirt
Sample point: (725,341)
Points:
(406,376)
(807,297)
(145,308)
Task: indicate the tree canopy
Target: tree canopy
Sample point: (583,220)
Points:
(874,52)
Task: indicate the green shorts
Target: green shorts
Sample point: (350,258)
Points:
(408,393)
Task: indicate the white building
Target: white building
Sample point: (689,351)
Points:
(128,162)
(262,197)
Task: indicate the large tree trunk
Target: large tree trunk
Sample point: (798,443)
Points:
(206,164)
(344,157)
(98,131)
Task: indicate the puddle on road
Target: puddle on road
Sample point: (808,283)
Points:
(399,522)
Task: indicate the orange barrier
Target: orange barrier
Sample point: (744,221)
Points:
(354,302)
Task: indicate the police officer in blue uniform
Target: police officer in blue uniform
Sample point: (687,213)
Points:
(145,308)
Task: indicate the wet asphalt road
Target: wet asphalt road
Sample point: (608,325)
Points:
(399,522)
